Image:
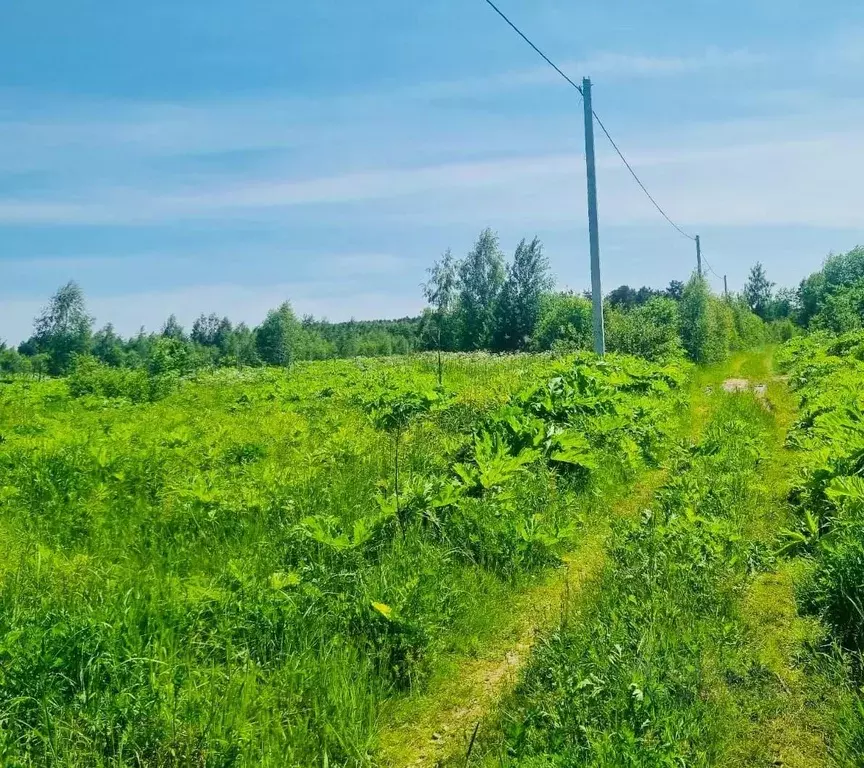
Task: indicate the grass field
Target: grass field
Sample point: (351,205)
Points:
(654,666)
(544,561)
(257,567)
(697,643)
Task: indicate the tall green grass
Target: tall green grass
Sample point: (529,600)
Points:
(229,573)
(639,673)
(827,374)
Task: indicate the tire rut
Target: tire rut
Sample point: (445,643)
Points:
(450,717)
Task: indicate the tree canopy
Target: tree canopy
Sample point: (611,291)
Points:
(480,302)
(63,328)
(758,291)
(518,306)
(481,276)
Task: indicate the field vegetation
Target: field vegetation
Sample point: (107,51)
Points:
(827,374)
(727,626)
(479,302)
(243,571)
(255,546)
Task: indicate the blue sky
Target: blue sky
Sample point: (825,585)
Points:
(223,156)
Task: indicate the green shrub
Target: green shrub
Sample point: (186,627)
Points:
(12,363)
(828,374)
(841,310)
(650,330)
(781,330)
(835,591)
(565,323)
(90,377)
(706,323)
(840,272)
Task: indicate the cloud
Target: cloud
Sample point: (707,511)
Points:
(112,133)
(712,58)
(349,265)
(812,182)
(809,178)
(609,65)
(124,207)
(638,66)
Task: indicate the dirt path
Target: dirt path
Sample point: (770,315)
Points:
(743,385)
(441,723)
(787,725)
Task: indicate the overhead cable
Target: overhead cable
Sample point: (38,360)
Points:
(596,117)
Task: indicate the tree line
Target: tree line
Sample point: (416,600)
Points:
(482,301)
(485,302)
(64,332)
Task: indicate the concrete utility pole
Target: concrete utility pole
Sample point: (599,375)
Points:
(593,226)
(698,255)
(725,287)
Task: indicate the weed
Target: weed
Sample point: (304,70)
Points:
(240,567)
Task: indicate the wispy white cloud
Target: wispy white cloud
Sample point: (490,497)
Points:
(354,264)
(844,51)
(120,206)
(111,133)
(610,65)
(347,263)
(121,164)
(613,66)
(809,178)
(637,65)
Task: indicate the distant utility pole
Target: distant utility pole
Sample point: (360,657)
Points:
(593,227)
(698,256)
(725,287)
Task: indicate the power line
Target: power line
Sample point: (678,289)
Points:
(638,180)
(543,55)
(596,117)
(710,268)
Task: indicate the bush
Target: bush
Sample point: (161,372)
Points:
(696,321)
(12,362)
(781,330)
(174,356)
(839,271)
(835,591)
(91,377)
(649,330)
(565,321)
(843,310)
(712,327)
(829,496)
(724,335)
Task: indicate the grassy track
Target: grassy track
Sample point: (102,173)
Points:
(787,707)
(426,729)
(822,561)
(439,724)
(687,648)
(783,704)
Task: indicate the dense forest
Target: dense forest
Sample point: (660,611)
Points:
(481,302)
